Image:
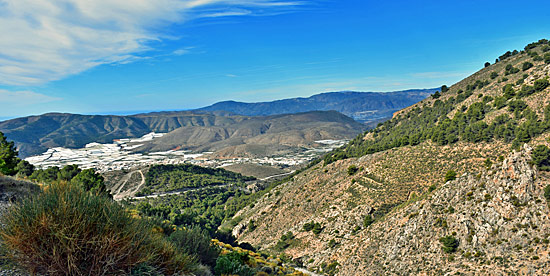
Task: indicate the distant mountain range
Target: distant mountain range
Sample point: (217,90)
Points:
(236,134)
(365,107)
(219,126)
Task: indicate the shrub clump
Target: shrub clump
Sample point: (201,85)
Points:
(67,231)
(450,175)
(196,242)
(233,264)
(352,169)
(541,157)
(449,244)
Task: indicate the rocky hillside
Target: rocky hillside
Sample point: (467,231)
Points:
(381,204)
(366,107)
(492,222)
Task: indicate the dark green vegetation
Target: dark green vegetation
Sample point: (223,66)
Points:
(67,231)
(460,117)
(353,104)
(352,169)
(174,177)
(196,241)
(284,241)
(367,221)
(450,175)
(206,207)
(314,227)
(233,264)
(449,244)
(8,156)
(428,124)
(541,157)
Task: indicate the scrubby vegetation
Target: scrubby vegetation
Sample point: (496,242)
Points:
(174,177)
(74,227)
(469,121)
(66,230)
(207,207)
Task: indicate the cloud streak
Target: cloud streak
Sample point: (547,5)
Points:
(23,98)
(47,40)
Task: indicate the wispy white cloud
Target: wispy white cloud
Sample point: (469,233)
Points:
(23,98)
(46,40)
(235,12)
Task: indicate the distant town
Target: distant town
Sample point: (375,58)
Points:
(119,156)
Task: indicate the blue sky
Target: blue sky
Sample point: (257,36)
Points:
(119,56)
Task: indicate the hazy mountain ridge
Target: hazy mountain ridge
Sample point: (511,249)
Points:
(361,106)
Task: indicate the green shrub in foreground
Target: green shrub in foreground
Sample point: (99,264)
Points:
(233,264)
(196,242)
(67,231)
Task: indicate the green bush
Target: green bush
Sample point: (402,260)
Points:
(541,157)
(368,220)
(547,193)
(24,169)
(308,226)
(68,231)
(494,75)
(284,241)
(330,269)
(449,244)
(317,228)
(352,169)
(510,70)
(196,242)
(91,181)
(541,84)
(8,156)
(450,175)
(233,264)
(526,65)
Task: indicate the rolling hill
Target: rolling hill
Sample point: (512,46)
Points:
(259,135)
(387,203)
